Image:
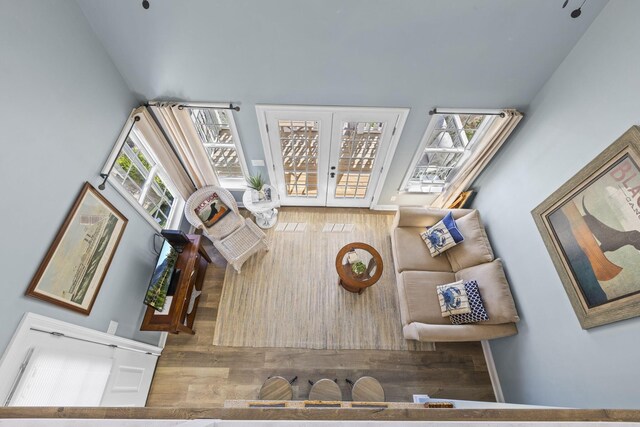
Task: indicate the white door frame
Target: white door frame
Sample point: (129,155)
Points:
(261,110)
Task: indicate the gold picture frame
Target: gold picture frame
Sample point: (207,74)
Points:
(591,228)
(76,264)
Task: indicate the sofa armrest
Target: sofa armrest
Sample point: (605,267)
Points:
(442,333)
(420,216)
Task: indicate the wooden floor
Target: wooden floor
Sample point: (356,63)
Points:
(193,373)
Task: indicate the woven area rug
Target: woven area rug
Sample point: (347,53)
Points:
(290,297)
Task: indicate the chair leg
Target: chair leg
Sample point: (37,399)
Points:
(310,382)
(293,380)
(349,382)
(237,267)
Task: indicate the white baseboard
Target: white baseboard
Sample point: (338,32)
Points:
(163,339)
(392,208)
(493,372)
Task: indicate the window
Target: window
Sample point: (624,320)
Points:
(143,179)
(447,144)
(218,135)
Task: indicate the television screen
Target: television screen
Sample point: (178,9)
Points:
(157,292)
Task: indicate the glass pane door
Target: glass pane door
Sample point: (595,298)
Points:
(300,148)
(359,144)
(327,156)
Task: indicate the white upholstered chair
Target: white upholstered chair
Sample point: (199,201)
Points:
(235,237)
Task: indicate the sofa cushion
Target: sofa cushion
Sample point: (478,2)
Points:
(494,289)
(418,296)
(410,252)
(442,236)
(475,249)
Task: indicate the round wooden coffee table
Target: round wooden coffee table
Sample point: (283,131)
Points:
(372,260)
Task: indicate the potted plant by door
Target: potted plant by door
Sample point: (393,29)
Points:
(256,184)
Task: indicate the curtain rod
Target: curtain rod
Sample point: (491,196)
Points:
(464,111)
(105,174)
(182,105)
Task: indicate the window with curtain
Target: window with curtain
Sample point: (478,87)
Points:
(144,179)
(448,143)
(217,133)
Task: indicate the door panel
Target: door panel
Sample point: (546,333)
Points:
(299,143)
(130,379)
(359,144)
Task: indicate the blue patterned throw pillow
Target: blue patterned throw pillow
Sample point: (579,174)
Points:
(442,236)
(478,312)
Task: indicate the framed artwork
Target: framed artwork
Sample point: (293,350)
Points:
(77,261)
(591,228)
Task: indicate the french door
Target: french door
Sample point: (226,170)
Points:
(323,156)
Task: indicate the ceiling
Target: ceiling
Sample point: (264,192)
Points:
(388,53)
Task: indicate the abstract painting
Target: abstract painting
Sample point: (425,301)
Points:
(75,265)
(591,227)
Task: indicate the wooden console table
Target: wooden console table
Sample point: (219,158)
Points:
(192,263)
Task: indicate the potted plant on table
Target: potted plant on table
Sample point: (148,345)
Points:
(358,268)
(256,184)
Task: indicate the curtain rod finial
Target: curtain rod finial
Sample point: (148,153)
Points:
(103,185)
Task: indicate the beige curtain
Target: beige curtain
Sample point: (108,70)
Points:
(487,147)
(179,127)
(160,146)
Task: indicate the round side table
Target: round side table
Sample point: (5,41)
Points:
(364,253)
(266,212)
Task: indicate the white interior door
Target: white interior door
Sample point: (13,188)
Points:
(327,156)
(54,363)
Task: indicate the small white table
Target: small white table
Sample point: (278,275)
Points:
(266,212)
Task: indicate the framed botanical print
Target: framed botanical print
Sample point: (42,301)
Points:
(77,261)
(591,228)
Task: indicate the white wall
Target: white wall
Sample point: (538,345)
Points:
(63,105)
(591,99)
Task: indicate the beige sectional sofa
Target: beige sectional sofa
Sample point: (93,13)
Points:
(418,274)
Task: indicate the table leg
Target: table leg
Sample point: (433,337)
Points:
(266,219)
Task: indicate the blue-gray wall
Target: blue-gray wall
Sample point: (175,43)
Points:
(63,105)
(381,53)
(591,99)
